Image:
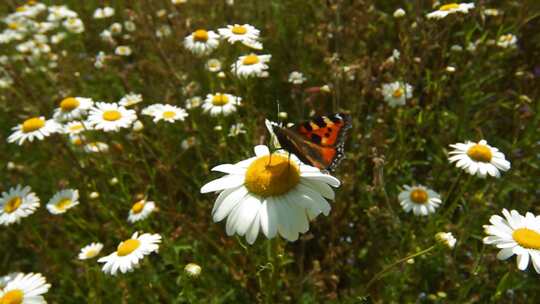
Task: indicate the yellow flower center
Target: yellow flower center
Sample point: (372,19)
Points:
(91,253)
(527,238)
(112,115)
(419,196)
(69,104)
(76,128)
(250,59)
(137,207)
(272,175)
(13,25)
(220,100)
(127,247)
(14,296)
(398,93)
(169,114)
(32,124)
(480,153)
(21,9)
(200,35)
(63,203)
(13,204)
(239,30)
(449,7)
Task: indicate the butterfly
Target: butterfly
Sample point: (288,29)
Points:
(318,142)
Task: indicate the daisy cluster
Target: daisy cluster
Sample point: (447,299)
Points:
(35,32)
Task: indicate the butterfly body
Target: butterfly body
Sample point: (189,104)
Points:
(318,142)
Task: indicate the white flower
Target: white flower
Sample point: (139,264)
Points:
(479,158)
(165,112)
(129,253)
(399,13)
(446,238)
(219,103)
(213,65)
(450,8)
(63,200)
(16,204)
(123,50)
(193,270)
(141,210)
(397,93)
(100,60)
(96,147)
(237,129)
(130,100)
(110,117)
(296,78)
(243,33)
(75,127)
(35,127)
(201,42)
(105,12)
(90,251)
(25,289)
(507,41)
(74,25)
(421,200)
(250,65)
(516,234)
(71,108)
(275,193)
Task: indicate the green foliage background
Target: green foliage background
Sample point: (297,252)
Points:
(493,95)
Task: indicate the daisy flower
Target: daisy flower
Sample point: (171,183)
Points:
(201,42)
(165,112)
(240,33)
(421,200)
(275,193)
(35,127)
(141,210)
(507,41)
(96,147)
(515,234)
(297,78)
(7,278)
(101,13)
(130,100)
(90,251)
(213,65)
(251,65)
(71,108)
(63,200)
(479,158)
(25,289)
(75,127)
(110,117)
(17,203)
(396,93)
(193,270)
(450,8)
(219,103)
(74,25)
(129,253)
(446,238)
(123,50)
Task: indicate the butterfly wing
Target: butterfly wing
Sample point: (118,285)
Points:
(319,142)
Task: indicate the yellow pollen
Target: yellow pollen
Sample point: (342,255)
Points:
(272,176)
(63,203)
(169,114)
(200,35)
(69,104)
(138,207)
(220,100)
(112,115)
(398,93)
(13,25)
(419,196)
(32,124)
(13,204)
(527,238)
(449,6)
(76,128)
(91,253)
(250,59)
(239,30)
(77,141)
(21,9)
(14,296)
(480,153)
(127,247)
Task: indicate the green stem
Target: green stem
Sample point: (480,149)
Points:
(273,258)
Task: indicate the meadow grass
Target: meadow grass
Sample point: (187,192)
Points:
(367,249)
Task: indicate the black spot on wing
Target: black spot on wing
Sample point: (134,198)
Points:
(319,121)
(307,126)
(316,138)
(335,118)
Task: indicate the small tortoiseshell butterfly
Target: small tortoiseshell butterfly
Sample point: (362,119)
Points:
(318,142)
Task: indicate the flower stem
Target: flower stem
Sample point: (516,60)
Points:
(273,259)
(381,273)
